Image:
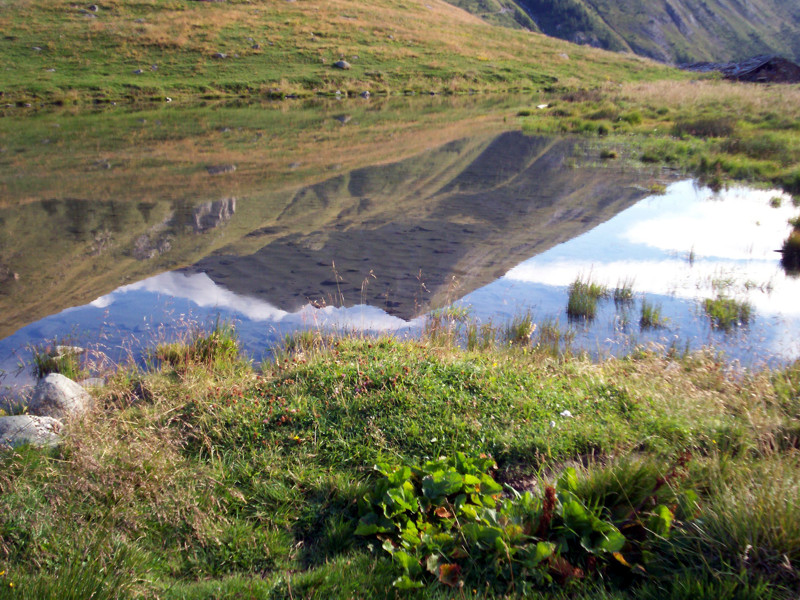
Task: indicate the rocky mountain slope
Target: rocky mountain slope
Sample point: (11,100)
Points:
(673,31)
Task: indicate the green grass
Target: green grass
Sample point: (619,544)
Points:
(727,313)
(204,476)
(553,339)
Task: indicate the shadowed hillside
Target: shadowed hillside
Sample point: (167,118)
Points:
(672,31)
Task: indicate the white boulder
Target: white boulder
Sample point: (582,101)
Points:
(58,396)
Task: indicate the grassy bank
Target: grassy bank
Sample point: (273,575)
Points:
(203,476)
(717,130)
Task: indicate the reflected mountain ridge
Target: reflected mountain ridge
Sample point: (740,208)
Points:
(414,238)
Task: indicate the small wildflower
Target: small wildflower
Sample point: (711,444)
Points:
(566,413)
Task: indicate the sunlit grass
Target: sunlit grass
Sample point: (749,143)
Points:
(203,469)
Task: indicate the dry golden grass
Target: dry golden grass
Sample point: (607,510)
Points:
(758,99)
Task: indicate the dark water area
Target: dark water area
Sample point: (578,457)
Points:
(496,222)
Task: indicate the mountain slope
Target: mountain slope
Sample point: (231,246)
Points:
(672,31)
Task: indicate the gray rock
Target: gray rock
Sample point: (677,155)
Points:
(29,429)
(220,169)
(220,55)
(58,396)
(342,64)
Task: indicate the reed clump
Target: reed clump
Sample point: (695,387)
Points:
(583,297)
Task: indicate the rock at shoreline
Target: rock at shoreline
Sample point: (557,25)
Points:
(58,396)
(29,429)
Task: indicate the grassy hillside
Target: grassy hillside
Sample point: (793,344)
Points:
(61,51)
(675,31)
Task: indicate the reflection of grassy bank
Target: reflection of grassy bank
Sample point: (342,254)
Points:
(206,476)
(157,152)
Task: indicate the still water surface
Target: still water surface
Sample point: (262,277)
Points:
(498,222)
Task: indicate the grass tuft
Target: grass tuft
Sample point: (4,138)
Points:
(651,316)
(726,313)
(623,293)
(520,329)
(583,298)
(56,357)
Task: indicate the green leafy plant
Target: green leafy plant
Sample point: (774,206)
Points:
(449,520)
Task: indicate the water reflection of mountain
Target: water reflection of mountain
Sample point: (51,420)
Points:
(427,230)
(419,232)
